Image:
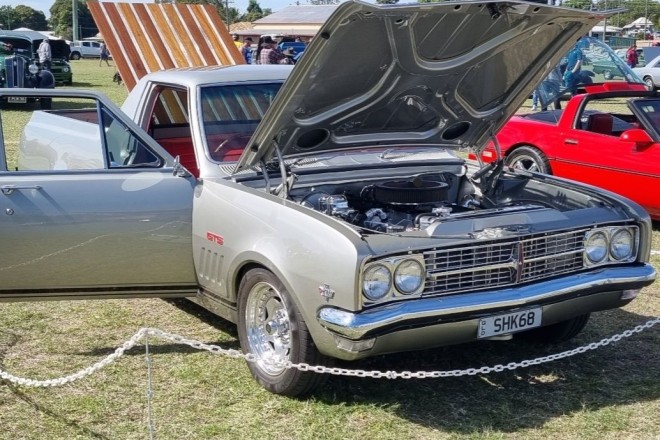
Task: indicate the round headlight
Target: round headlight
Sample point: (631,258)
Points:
(408,276)
(596,247)
(65,69)
(622,244)
(377,282)
(33,68)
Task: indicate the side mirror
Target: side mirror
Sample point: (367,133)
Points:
(639,137)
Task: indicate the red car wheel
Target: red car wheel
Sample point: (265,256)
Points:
(528,159)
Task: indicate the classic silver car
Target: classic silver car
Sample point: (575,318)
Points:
(327,209)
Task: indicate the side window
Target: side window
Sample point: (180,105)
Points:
(76,134)
(609,117)
(85,44)
(170,126)
(123,148)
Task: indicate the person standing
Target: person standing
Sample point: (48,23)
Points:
(631,56)
(270,54)
(236,41)
(45,54)
(288,56)
(104,54)
(246,50)
(571,77)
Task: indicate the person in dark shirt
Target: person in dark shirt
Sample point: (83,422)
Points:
(270,54)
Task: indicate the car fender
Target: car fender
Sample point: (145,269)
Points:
(45,80)
(287,238)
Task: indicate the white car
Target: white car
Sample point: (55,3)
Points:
(650,73)
(85,49)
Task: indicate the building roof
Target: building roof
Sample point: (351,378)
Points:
(298,14)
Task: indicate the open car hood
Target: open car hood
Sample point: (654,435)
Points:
(447,74)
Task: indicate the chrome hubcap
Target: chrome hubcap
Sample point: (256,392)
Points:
(526,163)
(268,328)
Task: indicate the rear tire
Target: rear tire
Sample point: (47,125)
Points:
(271,327)
(559,332)
(528,158)
(75,56)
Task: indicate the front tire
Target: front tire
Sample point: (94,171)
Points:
(271,327)
(528,158)
(45,103)
(559,332)
(649,83)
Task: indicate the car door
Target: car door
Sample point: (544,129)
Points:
(92,207)
(600,157)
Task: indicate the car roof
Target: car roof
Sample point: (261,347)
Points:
(200,76)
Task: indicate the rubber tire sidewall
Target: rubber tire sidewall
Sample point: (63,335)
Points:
(559,332)
(291,382)
(534,153)
(650,83)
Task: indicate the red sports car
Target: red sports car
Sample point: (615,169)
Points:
(608,137)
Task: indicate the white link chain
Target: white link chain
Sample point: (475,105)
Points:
(145,332)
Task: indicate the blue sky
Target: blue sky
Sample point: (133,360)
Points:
(241,5)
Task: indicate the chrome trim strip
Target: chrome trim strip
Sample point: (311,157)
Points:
(355,325)
(509,265)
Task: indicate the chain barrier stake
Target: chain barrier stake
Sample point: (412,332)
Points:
(150,422)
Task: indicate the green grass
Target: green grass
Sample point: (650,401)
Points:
(611,393)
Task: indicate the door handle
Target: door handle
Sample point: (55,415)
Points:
(571,141)
(8,189)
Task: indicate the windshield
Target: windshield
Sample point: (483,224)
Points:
(230,115)
(650,109)
(589,62)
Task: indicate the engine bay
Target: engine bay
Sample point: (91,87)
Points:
(396,205)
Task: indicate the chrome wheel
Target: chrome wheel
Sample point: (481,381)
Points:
(268,327)
(649,83)
(528,158)
(271,328)
(526,163)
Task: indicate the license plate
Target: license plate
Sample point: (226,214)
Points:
(17,99)
(509,323)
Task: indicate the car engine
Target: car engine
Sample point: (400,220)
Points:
(393,205)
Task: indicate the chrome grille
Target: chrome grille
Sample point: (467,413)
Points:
(503,263)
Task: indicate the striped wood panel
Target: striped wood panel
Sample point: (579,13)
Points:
(145,37)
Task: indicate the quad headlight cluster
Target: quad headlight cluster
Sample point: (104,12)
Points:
(393,278)
(610,245)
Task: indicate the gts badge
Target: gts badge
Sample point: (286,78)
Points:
(215,238)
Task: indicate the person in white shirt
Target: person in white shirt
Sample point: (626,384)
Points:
(45,55)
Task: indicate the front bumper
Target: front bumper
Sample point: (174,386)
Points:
(596,290)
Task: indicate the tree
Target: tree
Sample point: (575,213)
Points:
(61,20)
(7,20)
(27,17)
(22,16)
(254,12)
(387,2)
